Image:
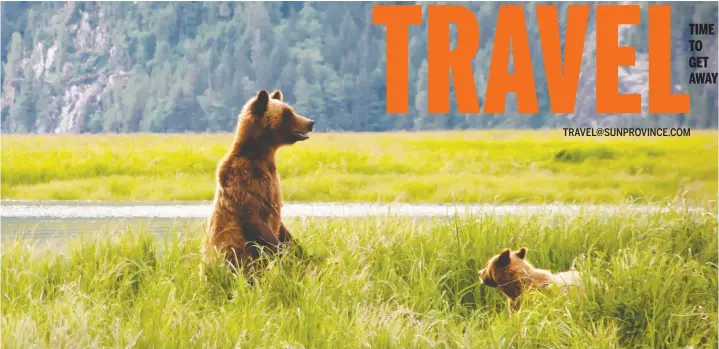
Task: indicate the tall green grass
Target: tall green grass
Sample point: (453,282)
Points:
(379,282)
(470,166)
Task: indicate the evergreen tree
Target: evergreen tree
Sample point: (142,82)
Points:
(175,67)
(23,113)
(13,68)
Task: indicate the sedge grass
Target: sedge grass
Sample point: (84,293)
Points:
(375,282)
(460,167)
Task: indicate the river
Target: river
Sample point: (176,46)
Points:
(58,219)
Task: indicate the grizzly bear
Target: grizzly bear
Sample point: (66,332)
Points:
(514,276)
(248,200)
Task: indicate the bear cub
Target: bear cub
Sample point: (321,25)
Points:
(246,214)
(513,275)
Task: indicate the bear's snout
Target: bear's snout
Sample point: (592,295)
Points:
(302,127)
(485,279)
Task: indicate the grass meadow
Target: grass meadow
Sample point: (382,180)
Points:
(650,281)
(459,167)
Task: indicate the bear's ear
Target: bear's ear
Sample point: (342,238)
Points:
(521,253)
(503,258)
(259,105)
(277,95)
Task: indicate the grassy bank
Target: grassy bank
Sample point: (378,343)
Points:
(473,166)
(375,282)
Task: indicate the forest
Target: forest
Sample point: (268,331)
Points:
(168,67)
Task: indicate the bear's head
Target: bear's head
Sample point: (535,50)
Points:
(504,268)
(268,118)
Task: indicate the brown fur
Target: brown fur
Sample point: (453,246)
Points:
(513,275)
(248,198)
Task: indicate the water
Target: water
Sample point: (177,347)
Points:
(174,210)
(62,219)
